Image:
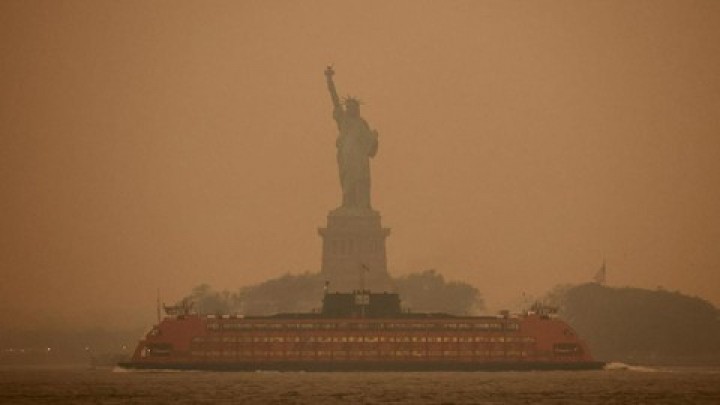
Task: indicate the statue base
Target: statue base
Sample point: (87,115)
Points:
(353,254)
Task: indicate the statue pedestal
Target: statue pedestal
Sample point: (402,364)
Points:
(353,251)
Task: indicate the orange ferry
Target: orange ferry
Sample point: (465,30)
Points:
(360,331)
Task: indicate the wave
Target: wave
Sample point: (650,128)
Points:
(614,366)
(118,369)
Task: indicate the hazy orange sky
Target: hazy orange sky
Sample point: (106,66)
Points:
(171,143)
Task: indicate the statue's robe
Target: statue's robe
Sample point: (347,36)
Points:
(356,144)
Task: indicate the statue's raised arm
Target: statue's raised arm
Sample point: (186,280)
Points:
(329,72)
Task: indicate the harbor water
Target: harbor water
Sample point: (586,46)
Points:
(617,384)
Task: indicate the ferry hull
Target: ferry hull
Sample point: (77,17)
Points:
(365,366)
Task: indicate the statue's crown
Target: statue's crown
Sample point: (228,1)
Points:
(350,100)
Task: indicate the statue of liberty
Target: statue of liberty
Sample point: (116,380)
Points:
(356,144)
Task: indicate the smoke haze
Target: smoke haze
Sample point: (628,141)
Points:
(168,144)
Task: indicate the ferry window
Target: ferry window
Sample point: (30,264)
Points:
(463,326)
(451,325)
(566,348)
(237,326)
(229,339)
(159,349)
(213,326)
(512,326)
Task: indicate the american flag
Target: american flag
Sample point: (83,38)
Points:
(601,275)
